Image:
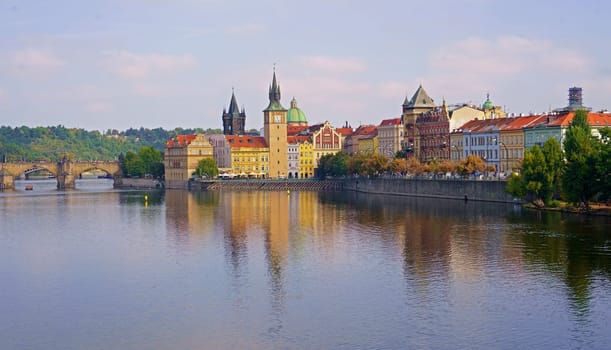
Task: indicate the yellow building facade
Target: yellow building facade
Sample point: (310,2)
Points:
(249,155)
(306,159)
(369,144)
(181,156)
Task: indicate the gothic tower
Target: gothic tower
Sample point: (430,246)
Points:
(274,126)
(233,119)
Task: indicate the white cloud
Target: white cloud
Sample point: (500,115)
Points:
(506,56)
(35,60)
(511,68)
(133,66)
(78,93)
(327,64)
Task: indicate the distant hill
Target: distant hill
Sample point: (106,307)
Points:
(49,143)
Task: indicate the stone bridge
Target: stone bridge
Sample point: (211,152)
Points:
(65,171)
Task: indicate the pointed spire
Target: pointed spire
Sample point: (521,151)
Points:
(406,102)
(233,105)
(274,94)
(421,99)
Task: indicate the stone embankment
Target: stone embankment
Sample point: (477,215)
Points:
(476,190)
(267,185)
(126,183)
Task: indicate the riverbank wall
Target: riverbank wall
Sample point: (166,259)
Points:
(476,190)
(145,184)
(267,185)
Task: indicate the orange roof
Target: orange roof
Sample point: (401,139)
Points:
(517,123)
(344,131)
(297,139)
(245,141)
(295,129)
(365,130)
(181,140)
(595,119)
(389,122)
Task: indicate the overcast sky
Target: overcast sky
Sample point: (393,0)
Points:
(173,63)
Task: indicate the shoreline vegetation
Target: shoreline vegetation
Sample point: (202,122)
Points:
(596,209)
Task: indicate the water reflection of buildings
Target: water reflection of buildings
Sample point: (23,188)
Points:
(276,244)
(441,245)
(189,215)
(241,215)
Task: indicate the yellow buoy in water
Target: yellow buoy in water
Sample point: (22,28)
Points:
(288,191)
(146,197)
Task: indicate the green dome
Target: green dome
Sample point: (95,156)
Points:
(488,104)
(294,114)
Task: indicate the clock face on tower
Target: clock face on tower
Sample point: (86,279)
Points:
(277,118)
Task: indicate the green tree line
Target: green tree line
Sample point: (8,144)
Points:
(370,164)
(51,142)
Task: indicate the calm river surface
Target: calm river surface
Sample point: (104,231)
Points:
(95,268)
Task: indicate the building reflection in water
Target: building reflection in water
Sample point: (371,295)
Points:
(443,246)
(189,216)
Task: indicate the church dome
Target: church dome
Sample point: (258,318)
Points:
(488,104)
(295,115)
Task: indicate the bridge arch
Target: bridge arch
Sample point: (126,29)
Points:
(64,171)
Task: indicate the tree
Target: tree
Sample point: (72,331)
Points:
(398,166)
(357,164)
(471,164)
(324,165)
(554,161)
(516,186)
(375,164)
(414,166)
(132,165)
(207,167)
(602,171)
(578,181)
(536,177)
(338,164)
(150,158)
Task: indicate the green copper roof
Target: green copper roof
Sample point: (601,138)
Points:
(294,114)
(488,104)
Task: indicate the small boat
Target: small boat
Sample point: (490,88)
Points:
(29,187)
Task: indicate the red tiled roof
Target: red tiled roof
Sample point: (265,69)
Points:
(180,140)
(389,122)
(295,129)
(297,139)
(365,130)
(247,141)
(344,131)
(518,123)
(595,119)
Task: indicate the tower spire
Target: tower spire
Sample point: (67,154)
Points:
(274,94)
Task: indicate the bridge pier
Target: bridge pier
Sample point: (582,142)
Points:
(65,181)
(7,181)
(65,178)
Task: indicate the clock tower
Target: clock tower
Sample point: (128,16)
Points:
(274,126)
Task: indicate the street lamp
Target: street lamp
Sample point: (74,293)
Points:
(506,156)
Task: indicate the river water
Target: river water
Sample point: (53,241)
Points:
(95,268)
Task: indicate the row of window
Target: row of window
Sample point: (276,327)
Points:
(253,159)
